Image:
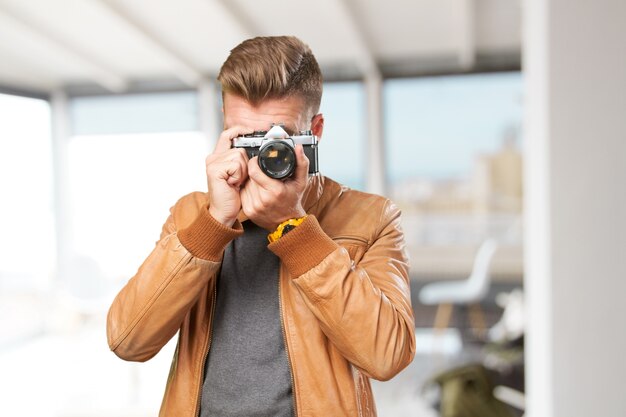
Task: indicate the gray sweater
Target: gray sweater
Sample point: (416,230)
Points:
(247,371)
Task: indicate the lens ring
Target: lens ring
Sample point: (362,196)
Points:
(277,159)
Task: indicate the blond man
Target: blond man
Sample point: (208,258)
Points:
(295,327)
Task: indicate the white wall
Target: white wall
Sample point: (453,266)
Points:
(575,69)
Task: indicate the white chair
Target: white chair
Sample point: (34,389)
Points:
(467,292)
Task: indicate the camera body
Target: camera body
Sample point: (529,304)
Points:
(276,150)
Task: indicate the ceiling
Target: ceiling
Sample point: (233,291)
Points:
(120,45)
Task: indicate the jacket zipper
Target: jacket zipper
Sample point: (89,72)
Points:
(208,346)
(357,389)
(282,326)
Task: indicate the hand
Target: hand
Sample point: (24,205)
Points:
(226,172)
(269,202)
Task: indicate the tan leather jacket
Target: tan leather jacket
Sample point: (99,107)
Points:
(344,300)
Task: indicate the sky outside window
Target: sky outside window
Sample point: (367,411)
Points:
(434,126)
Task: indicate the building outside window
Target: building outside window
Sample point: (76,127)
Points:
(454,166)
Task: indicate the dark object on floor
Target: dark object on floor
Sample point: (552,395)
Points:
(467,391)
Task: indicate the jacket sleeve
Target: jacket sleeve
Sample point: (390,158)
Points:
(365,309)
(150,308)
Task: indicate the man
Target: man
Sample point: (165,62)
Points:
(296,327)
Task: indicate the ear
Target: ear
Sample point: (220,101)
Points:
(317,125)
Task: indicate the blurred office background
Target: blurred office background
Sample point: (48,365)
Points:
(496,125)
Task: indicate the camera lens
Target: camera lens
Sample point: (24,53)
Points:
(277,159)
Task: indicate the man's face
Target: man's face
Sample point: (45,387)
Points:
(288,111)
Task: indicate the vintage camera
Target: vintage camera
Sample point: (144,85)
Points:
(277,150)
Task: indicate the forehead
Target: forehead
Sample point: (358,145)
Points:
(239,112)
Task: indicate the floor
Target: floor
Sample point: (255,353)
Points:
(75,375)
(62,367)
(407,395)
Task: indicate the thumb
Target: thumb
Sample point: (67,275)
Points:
(302,165)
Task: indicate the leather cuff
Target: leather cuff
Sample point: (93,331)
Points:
(304,247)
(206,238)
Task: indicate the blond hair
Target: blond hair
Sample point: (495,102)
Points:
(273,67)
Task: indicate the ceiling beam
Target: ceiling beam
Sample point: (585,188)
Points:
(372,77)
(23,92)
(183,69)
(467,33)
(22,79)
(366,59)
(245,25)
(22,70)
(99,72)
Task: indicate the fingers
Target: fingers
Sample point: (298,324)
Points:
(301,174)
(256,202)
(265,189)
(250,199)
(236,173)
(258,176)
(225,140)
(242,161)
(230,166)
(267,201)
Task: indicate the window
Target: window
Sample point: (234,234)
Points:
(455,166)
(124,176)
(135,113)
(122,187)
(26,218)
(343,148)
